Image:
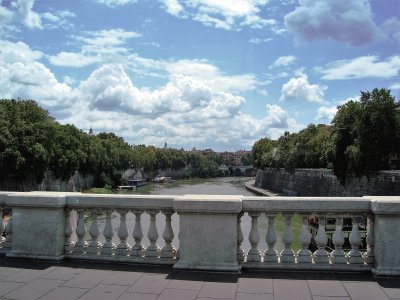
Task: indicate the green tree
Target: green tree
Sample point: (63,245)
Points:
(365,135)
(378,130)
(264,153)
(25,140)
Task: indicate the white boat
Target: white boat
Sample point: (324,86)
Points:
(163,179)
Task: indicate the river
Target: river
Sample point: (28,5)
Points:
(215,186)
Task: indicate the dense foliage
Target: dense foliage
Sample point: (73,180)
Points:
(32,142)
(363,137)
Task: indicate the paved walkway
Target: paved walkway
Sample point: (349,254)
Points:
(33,280)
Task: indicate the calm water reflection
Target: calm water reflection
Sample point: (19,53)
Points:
(219,186)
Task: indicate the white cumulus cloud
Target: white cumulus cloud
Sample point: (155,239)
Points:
(392,28)
(20,11)
(395,86)
(25,13)
(223,14)
(284,61)
(348,21)
(212,76)
(326,113)
(115,3)
(298,88)
(173,7)
(362,67)
(23,76)
(95,46)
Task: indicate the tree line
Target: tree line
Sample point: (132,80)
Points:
(364,137)
(32,143)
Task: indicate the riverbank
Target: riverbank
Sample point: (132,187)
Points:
(250,186)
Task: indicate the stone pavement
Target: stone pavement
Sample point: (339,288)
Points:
(21,279)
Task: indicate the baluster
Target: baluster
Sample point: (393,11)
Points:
(321,256)
(137,249)
(68,244)
(153,249)
(338,256)
(271,255)
(168,251)
(7,245)
(2,227)
(354,255)
(254,254)
(108,232)
(304,255)
(123,248)
(81,230)
(94,246)
(287,254)
(370,255)
(240,252)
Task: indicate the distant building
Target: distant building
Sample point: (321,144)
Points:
(205,152)
(91,131)
(233,158)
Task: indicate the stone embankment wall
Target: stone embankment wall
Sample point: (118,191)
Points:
(140,174)
(322,182)
(76,183)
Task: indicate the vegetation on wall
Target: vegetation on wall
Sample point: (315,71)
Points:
(363,138)
(32,143)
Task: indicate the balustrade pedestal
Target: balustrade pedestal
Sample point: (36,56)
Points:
(38,225)
(386,233)
(208,232)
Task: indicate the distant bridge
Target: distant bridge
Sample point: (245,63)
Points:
(240,170)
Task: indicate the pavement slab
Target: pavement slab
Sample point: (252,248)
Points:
(7,272)
(35,280)
(364,290)
(218,290)
(26,275)
(122,278)
(104,291)
(288,289)
(34,289)
(62,273)
(331,288)
(88,279)
(7,287)
(137,296)
(255,286)
(64,293)
(169,294)
(150,284)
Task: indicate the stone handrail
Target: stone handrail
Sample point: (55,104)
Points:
(53,226)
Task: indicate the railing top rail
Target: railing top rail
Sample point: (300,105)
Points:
(307,204)
(79,200)
(3,197)
(216,203)
(141,202)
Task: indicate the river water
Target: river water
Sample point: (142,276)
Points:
(218,186)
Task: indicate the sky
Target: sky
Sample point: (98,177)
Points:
(217,74)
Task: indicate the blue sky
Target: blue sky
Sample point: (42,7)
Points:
(197,73)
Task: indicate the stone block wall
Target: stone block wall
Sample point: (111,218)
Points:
(322,182)
(75,183)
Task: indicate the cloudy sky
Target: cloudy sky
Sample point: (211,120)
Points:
(197,73)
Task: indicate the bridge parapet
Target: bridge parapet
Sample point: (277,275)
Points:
(125,228)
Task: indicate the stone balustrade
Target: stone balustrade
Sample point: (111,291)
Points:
(58,226)
(355,209)
(120,206)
